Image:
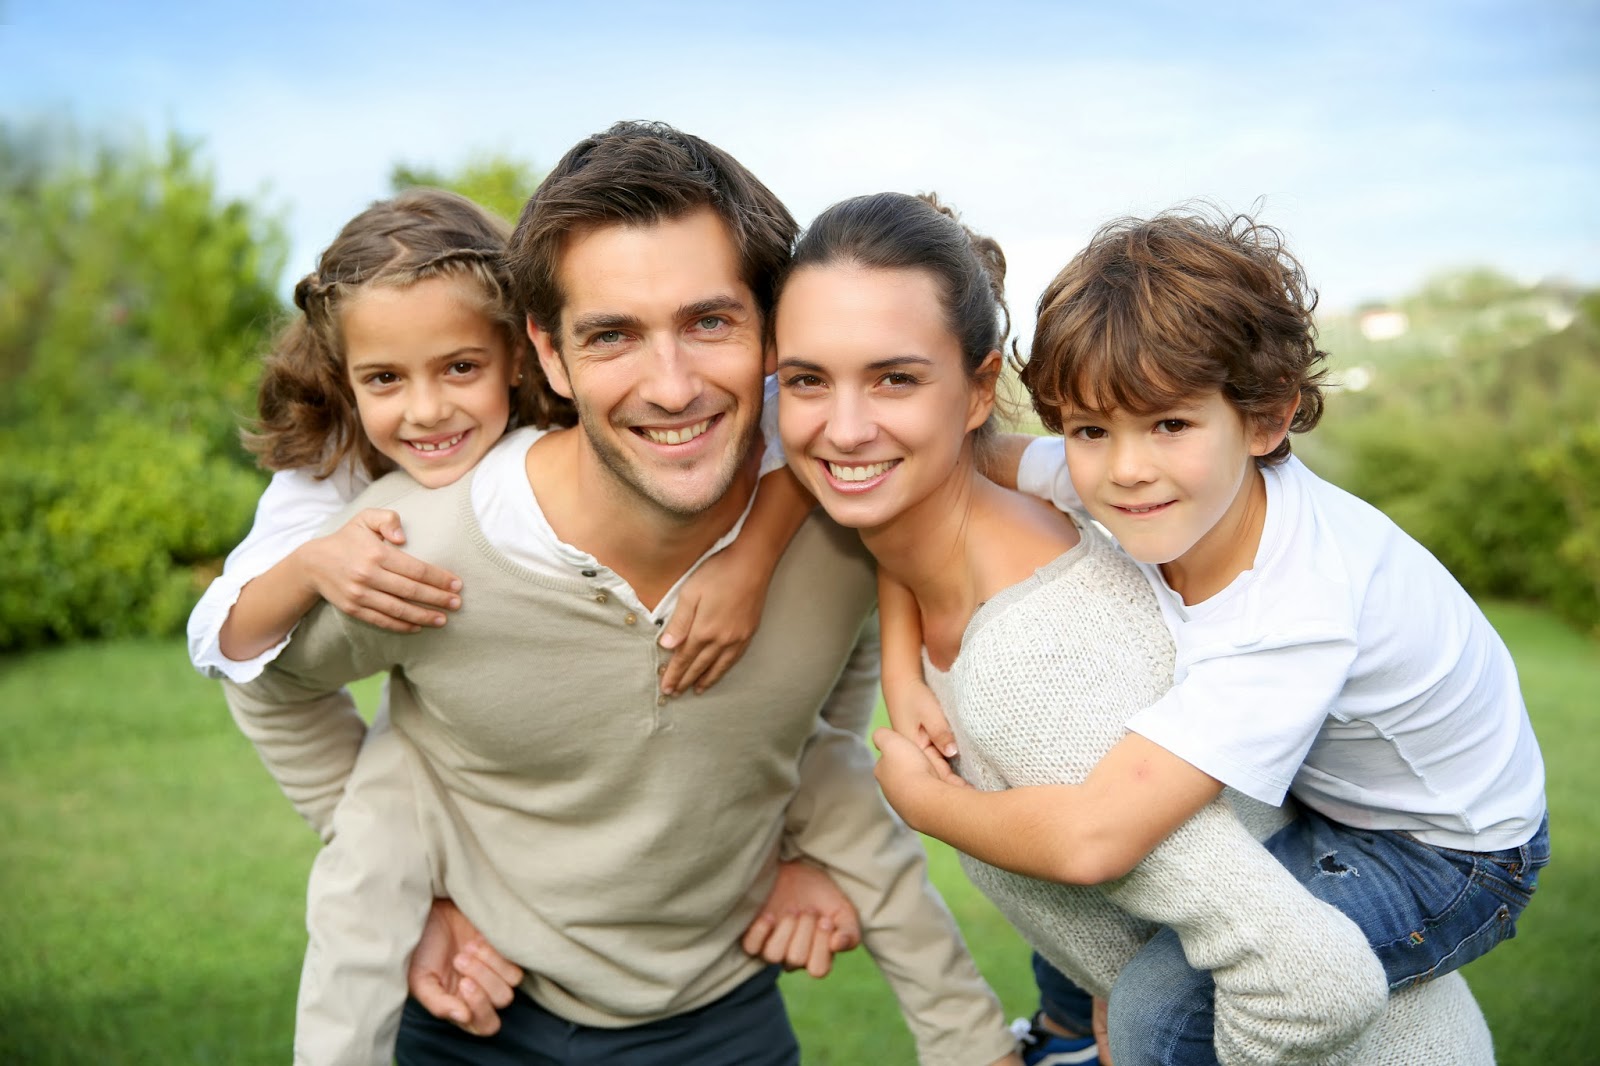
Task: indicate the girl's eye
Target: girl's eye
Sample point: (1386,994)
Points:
(383,377)
(463,367)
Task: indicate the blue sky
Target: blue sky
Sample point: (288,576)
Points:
(1388,140)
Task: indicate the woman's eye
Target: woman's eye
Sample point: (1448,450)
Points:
(802,381)
(899,379)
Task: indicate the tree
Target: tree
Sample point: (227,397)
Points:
(134,304)
(500,184)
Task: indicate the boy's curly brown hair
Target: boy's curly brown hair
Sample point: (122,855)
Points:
(1156,311)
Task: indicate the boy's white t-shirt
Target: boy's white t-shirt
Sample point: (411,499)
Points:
(1347,666)
(292,510)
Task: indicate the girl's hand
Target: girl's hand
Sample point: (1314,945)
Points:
(805,921)
(717,614)
(905,775)
(360,570)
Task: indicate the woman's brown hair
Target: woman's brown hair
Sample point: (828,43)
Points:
(306,406)
(1157,311)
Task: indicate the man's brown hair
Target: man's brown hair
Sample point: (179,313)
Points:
(643,173)
(1157,311)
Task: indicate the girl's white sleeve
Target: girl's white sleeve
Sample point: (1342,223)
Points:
(292,510)
(772,457)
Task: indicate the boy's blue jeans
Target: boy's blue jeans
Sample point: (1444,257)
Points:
(1425,910)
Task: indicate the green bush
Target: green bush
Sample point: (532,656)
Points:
(134,302)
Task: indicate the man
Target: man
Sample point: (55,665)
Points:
(613,842)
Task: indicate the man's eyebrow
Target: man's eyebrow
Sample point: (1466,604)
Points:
(711,305)
(600,321)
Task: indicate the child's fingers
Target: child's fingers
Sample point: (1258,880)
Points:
(400,587)
(688,663)
(800,944)
(721,665)
(680,624)
(941,736)
(436,579)
(755,937)
(384,523)
(392,613)
(821,960)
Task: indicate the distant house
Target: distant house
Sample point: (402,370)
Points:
(1382,324)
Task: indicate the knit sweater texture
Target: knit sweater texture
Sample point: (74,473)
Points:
(613,843)
(1049,671)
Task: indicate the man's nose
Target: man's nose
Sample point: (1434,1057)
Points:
(671,381)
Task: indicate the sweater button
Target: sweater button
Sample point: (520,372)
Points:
(601,597)
(629,618)
(590,573)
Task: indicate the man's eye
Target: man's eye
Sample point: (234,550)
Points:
(711,323)
(609,336)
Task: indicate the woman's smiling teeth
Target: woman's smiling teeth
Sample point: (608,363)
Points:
(841,472)
(437,445)
(675,436)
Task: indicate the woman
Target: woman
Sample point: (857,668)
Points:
(888,334)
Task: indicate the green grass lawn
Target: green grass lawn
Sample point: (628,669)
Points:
(152,878)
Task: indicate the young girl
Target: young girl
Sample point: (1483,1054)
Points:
(1320,651)
(408,355)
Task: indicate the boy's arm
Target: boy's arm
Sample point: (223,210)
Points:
(1001,458)
(914,710)
(720,605)
(1075,834)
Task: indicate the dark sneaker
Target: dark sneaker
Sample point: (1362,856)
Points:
(1038,1046)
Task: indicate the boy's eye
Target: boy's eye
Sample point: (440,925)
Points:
(1172,425)
(1088,433)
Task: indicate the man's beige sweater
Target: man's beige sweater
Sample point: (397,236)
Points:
(613,843)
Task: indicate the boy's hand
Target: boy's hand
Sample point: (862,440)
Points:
(917,715)
(805,921)
(717,614)
(359,570)
(457,976)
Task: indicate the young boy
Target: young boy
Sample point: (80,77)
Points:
(1321,652)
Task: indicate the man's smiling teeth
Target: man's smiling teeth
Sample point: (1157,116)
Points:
(857,473)
(438,445)
(676,436)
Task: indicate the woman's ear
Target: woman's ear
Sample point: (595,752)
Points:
(555,368)
(985,380)
(1266,437)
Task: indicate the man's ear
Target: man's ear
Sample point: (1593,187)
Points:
(1266,437)
(984,382)
(555,368)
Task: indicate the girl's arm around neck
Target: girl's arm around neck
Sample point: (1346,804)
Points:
(1074,834)
(720,606)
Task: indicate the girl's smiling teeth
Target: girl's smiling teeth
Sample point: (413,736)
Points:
(437,445)
(858,472)
(1147,509)
(674,436)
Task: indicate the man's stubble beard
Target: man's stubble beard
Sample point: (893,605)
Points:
(627,472)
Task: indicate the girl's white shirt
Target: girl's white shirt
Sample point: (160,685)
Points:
(294,509)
